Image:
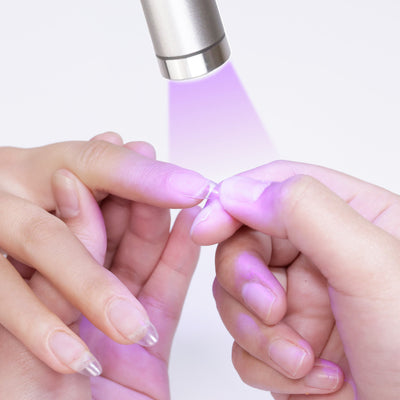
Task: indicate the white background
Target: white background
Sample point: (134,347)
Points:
(323,75)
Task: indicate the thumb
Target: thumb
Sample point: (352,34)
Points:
(345,247)
(359,260)
(77,207)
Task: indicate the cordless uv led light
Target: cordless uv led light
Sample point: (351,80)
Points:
(188,37)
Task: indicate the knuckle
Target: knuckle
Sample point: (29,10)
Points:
(278,163)
(111,137)
(38,230)
(296,192)
(93,153)
(144,148)
(235,251)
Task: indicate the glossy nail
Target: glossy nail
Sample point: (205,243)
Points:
(259,299)
(150,338)
(242,190)
(324,377)
(191,185)
(72,353)
(131,322)
(287,355)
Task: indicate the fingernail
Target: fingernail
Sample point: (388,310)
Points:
(150,338)
(201,217)
(192,185)
(287,355)
(70,352)
(243,190)
(259,299)
(66,196)
(322,377)
(131,323)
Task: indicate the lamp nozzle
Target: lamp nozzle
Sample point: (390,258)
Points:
(188,37)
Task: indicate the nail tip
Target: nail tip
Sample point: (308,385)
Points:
(151,337)
(92,369)
(207,191)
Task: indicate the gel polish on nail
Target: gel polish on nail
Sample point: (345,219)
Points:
(131,322)
(191,185)
(70,352)
(150,338)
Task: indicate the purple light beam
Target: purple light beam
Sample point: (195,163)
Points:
(214,127)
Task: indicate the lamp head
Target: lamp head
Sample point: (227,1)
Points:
(188,37)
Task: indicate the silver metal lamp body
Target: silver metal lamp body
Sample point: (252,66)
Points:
(188,37)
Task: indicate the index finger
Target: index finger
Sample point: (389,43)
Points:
(216,225)
(112,169)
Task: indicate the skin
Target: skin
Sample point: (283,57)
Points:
(37,183)
(330,300)
(325,248)
(167,259)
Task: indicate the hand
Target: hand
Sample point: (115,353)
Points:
(335,334)
(32,236)
(154,264)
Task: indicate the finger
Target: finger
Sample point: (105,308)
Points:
(324,377)
(76,206)
(24,270)
(369,200)
(213,224)
(283,252)
(143,148)
(115,223)
(109,168)
(110,137)
(38,239)
(175,270)
(315,220)
(309,306)
(163,296)
(116,211)
(86,224)
(47,336)
(142,245)
(345,247)
(278,346)
(242,270)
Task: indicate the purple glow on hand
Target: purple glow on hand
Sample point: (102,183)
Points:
(214,127)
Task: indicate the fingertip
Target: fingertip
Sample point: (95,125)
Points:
(143,148)
(240,190)
(293,356)
(110,137)
(268,304)
(72,355)
(213,225)
(325,376)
